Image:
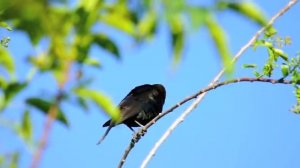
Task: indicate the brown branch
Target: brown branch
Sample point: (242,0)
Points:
(52,114)
(143,130)
(186,112)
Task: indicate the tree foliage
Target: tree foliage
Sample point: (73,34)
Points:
(70,30)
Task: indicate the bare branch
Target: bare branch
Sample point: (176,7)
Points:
(52,114)
(143,130)
(218,76)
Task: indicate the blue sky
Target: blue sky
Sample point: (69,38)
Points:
(240,125)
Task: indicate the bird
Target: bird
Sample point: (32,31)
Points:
(140,106)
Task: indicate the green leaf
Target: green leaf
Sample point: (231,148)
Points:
(246,8)
(5,25)
(102,101)
(197,16)
(146,27)
(44,106)
(119,17)
(10,92)
(280,53)
(103,41)
(285,70)
(92,62)
(26,126)
(219,37)
(296,109)
(268,69)
(177,35)
(249,66)
(295,77)
(257,74)
(7,61)
(4,41)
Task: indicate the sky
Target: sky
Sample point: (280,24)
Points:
(240,125)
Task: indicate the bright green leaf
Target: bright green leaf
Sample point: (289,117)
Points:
(5,25)
(285,70)
(26,126)
(147,25)
(268,69)
(44,106)
(92,62)
(219,37)
(119,18)
(279,52)
(246,8)
(102,102)
(7,61)
(177,35)
(197,16)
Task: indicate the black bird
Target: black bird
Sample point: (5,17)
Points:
(139,107)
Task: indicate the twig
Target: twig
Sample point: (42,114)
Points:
(52,114)
(142,131)
(218,76)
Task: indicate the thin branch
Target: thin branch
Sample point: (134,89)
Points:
(212,85)
(52,114)
(143,130)
(218,76)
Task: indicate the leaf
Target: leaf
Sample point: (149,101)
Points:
(5,25)
(26,126)
(11,90)
(92,62)
(219,37)
(4,41)
(7,61)
(268,69)
(280,53)
(44,106)
(249,66)
(146,27)
(246,8)
(119,17)
(197,16)
(177,36)
(296,77)
(102,101)
(103,41)
(285,70)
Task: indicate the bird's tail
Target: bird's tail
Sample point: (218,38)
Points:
(106,132)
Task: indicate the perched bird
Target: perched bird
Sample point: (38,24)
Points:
(139,107)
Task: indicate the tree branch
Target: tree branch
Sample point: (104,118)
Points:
(202,93)
(218,76)
(52,114)
(143,130)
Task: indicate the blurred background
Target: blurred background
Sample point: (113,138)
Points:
(81,58)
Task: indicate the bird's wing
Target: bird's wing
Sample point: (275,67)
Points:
(133,103)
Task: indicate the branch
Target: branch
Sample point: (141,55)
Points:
(52,114)
(143,130)
(202,93)
(200,98)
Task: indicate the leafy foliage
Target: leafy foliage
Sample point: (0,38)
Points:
(71,32)
(289,67)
